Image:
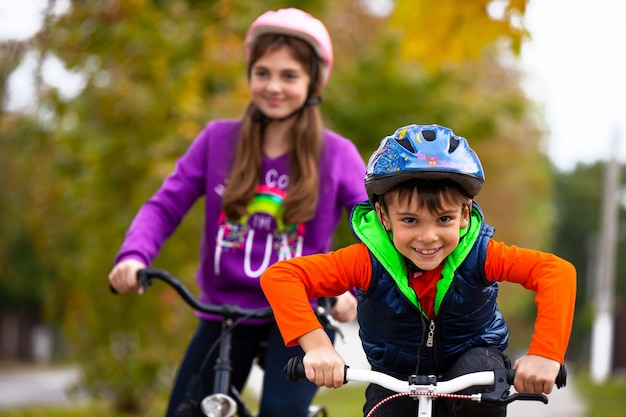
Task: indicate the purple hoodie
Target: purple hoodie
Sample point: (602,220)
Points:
(233,255)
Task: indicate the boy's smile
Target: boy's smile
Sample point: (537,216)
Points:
(425,237)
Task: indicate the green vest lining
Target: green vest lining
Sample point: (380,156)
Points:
(371,232)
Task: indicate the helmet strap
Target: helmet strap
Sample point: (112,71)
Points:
(313,73)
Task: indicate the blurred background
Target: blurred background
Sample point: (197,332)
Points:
(98,99)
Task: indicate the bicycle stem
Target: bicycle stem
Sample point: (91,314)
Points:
(222,364)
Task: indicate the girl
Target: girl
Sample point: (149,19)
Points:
(275,184)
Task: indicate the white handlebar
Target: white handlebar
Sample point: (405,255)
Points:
(425,387)
(443,387)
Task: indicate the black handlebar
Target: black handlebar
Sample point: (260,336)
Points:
(561,378)
(295,369)
(504,379)
(146,276)
(560,381)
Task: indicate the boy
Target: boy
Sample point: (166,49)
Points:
(427,273)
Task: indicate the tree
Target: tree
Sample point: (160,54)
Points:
(155,72)
(579,206)
(24,276)
(452,31)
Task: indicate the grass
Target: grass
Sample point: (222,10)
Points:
(603,400)
(90,409)
(344,402)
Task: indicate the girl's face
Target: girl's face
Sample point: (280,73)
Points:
(424,237)
(278,83)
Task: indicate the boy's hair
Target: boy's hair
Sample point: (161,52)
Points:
(304,156)
(430,193)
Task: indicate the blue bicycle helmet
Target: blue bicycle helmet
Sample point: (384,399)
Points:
(424,152)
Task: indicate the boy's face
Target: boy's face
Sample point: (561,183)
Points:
(424,237)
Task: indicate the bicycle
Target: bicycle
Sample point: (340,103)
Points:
(425,388)
(226,401)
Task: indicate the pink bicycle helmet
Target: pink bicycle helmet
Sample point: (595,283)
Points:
(297,23)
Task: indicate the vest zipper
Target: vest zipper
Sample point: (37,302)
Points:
(431,334)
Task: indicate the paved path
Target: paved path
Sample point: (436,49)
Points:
(35,385)
(561,402)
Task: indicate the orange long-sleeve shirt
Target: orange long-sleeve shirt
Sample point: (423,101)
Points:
(288,286)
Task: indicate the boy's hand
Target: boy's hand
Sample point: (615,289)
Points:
(322,364)
(535,374)
(324,367)
(123,277)
(344,309)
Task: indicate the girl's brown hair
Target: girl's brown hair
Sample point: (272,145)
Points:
(304,155)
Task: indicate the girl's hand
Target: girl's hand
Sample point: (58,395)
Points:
(535,374)
(344,309)
(123,276)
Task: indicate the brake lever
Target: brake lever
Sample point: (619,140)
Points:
(323,309)
(524,397)
(501,393)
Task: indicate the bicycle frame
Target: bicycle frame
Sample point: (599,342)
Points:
(426,387)
(225,401)
(220,403)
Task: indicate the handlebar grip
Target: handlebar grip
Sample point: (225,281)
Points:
(561,378)
(560,381)
(295,370)
(142,279)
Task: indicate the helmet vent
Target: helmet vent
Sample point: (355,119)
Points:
(406,144)
(454,142)
(429,135)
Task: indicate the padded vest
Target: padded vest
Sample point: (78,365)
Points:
(394,331)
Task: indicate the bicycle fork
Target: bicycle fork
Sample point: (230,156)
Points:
(220,403)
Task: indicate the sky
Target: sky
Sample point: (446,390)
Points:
(574,65)
(576,70)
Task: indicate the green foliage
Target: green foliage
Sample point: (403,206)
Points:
(453,31)
(24,273)
(155,72)
(78,409)
(11,54)
(375,93)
